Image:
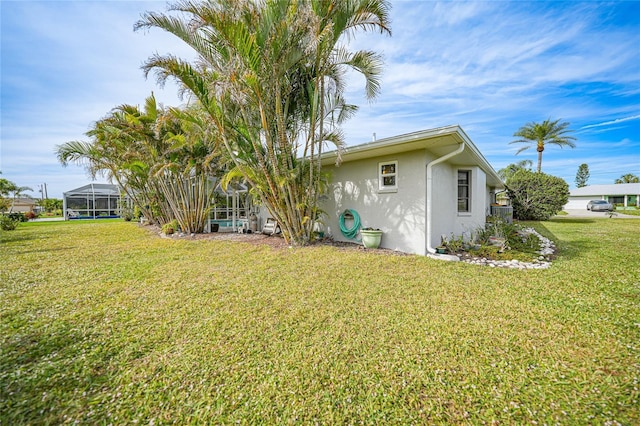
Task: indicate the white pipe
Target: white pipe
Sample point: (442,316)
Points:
(430,249)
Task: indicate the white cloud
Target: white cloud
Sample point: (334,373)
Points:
(609,123)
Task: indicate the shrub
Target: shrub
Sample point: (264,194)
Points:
(8,224)
(453,244)
(30,215)
(536,196)
(17,217)
(170,227)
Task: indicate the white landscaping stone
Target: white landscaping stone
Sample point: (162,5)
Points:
(547,248)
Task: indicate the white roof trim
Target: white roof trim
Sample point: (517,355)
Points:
(438,137)
(612,189)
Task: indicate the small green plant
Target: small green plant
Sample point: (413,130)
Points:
(137,213)
(8,224)
(454,244)
(170,227)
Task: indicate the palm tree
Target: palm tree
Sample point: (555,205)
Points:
(17,192)
(153,154)
(506,173)
(541,134)
(628,178)
(270,76)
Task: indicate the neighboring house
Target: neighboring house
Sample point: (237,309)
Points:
(92,201)
(415,187)
(22,205)
(620,194)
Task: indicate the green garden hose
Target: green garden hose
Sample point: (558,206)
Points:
(353,231)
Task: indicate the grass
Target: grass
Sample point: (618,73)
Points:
(633,212)
(102,323)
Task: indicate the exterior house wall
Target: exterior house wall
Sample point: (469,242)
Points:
(444,202)
(480,201)
(22,205)
(400,214)
(627,194)
(445,217)
(407,214)
(580,203)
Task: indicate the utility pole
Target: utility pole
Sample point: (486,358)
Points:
(43,191)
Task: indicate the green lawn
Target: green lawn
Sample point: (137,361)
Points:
(102,322)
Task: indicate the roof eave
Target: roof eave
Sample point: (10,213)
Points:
(412,141)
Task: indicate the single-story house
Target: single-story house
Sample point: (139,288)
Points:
(620,195)
(415,187)
(22,205)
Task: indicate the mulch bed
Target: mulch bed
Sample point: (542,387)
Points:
(274,241)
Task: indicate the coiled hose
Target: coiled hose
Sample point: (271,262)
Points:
(353,231)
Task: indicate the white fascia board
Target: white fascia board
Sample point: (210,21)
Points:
(412,141)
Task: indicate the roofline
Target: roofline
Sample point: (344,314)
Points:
(452,130)
(393,140)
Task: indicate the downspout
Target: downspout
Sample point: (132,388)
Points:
(430,249)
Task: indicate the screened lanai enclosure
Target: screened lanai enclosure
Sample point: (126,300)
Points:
(232,209)
(92,201)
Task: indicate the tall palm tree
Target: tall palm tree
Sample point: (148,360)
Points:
(542,134)
(154,155)
(269,75)
(116,150)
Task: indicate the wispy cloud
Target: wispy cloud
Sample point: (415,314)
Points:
(609,123)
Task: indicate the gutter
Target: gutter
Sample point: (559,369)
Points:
(430,249)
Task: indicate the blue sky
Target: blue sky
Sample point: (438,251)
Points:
(490,67)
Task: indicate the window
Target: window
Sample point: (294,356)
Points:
(616,199)
(464,190)
(388,176)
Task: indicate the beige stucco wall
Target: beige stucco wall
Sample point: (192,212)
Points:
(402,214)
(446,218)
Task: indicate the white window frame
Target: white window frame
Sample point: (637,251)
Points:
(381,186)
(469,190)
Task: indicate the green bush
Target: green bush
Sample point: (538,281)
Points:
(137,213)
(170,227)
(8,224)
(536,196)
(17,217)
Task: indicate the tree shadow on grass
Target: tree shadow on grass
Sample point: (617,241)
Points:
(16,236)
(47,250)
(574,248)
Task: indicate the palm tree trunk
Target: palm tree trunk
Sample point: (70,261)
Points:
(540,160)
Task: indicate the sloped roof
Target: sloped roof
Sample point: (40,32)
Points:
(24,200)
(440,141)
(613,189)
(95,188)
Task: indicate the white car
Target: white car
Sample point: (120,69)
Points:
(599,206)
